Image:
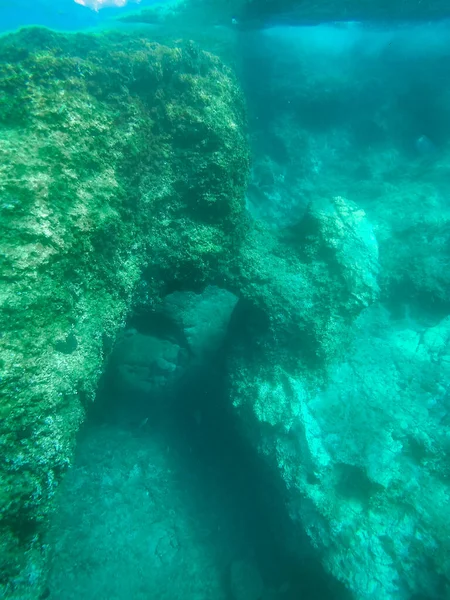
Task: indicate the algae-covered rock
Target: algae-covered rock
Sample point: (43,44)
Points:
(117,155)
(202,319)
(312,280)
(364,455)
(144,365)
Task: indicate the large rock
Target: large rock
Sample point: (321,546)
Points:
(147,368)
(377,487)
(202,319)
(364,456)
(146,365)
(310,281)
(118,155)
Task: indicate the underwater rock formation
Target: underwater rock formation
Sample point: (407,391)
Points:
(145,365)
(122,183)
(118,155)
(362,445)
(170,346)
(310,281)
(378,481)
(203,319)
(362,452)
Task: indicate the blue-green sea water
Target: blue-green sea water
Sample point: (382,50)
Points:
(224,300)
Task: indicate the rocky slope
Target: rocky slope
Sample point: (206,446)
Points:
(122,182)
(362,445)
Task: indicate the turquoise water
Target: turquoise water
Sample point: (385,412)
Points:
(225,302)
(66,15)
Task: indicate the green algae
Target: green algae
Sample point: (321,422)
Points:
(117,156)
(122,174)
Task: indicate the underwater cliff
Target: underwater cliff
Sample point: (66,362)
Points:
(118,156)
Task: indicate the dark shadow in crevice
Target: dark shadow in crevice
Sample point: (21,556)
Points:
(255,491)
(225,475)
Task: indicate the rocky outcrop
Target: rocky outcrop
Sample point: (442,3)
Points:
(202,319)
(310,281)
(149,366)
(118,156)
(124,236)
(359,437)
(362,454)
(375,486)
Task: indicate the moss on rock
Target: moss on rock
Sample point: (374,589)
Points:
(309,282)
(117,155)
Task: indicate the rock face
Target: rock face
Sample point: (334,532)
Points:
(122,179)
(144,365)
(310,281)
(203,319)
(148,368)
(359,437)
(376,435)
(118,156)
(362,453)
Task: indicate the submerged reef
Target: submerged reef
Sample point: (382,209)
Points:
(118,156)
(130,243)
(362,445)
(124,165)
